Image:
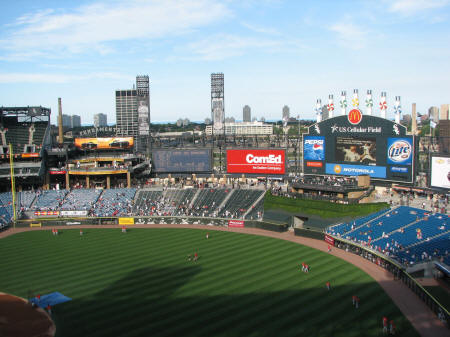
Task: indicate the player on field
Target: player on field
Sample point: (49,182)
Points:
(328,285)
(392,327)
(385,325)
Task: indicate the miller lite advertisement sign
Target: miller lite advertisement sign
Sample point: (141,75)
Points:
(399,151)
(256,161)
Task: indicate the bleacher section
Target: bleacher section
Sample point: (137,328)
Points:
(49,200)
(257,211)
(26,199)
(176,202)
(115,202)
(239,202)
(207,201)
(39,132)
(18,136)
(80,199)
(146,202)
(405,233)
(223,203)
(6,209)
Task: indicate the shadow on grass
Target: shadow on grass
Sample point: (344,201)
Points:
(149,302)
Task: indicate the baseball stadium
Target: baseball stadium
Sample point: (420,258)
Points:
(339,229)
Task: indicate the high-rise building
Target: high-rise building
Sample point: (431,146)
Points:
(286,113)
(444,113)
(75,121)
(66,121)
(133,110)
(325,113)
(246,114)
(100,120)
(126,112)
(217,101)
(433,113)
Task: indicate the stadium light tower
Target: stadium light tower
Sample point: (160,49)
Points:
(383,105)
(369,102)
(330,106)
(319,110)
(343,103)
(397,109)
(217,101)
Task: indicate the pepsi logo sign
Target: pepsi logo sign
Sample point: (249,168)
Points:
(399,151)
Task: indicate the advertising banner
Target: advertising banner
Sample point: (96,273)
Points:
(355,170)
(74,213)
(236,223)
(126,221)
(46,213)
(104,143)
(314,148)
(399,151)
(440,172)
(57,172)
(329,239)
(256,161)
(143,116)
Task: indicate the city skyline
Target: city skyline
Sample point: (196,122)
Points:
(272,53)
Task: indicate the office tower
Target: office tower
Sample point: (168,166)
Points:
(75,121)
(444,113)
(100,120)
(246,114)
(286,114)
(133,110)
(433,113)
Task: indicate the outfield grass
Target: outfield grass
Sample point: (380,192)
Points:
(141,284)
(324,209)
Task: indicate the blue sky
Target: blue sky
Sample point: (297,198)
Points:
(271,52)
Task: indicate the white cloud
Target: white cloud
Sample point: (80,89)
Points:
(95,26)
(223,46)
(57,78)
(350,35)
(259,29)
(412,7)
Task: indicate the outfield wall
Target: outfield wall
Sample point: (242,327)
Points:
(147,220)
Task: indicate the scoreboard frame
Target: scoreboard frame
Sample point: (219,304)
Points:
(382,149)
(209,154)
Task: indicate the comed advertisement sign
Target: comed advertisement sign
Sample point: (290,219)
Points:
(256,161)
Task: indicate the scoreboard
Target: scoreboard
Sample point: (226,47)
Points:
(181,161)
(371,146)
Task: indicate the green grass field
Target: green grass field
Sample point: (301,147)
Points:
(141,284)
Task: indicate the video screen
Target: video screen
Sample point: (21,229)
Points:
(356,150)
(440,172)
(181,160)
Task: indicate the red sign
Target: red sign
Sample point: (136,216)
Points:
(30,155)
(236,223)
(256,161)
(314,163)
(329,239)
(57,172)
(354,116)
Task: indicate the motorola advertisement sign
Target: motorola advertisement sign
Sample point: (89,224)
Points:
(256,161)
(357,144)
